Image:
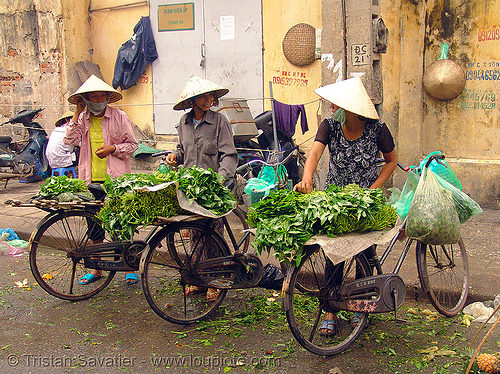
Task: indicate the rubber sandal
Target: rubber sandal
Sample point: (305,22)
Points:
(212,294)
(89,278)
(330,325)
(131,278)
(356,318)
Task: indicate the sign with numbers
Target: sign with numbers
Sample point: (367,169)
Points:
(360,54)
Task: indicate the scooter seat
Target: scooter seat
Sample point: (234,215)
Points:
(5,141)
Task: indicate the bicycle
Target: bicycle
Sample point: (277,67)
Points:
(362,288)
(62,247)
(177,257)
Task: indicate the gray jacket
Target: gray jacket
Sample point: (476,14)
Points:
(210,145)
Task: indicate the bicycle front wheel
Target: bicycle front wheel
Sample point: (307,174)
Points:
(238,222)
(444,274)
(175,249)
(307,302)
(56,255)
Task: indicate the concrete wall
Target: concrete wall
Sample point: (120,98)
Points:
(466,128)
(31,58)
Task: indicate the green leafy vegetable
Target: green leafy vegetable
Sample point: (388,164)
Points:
(56,185)
(285,220)
(126,209)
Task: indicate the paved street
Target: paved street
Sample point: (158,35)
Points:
(116,331)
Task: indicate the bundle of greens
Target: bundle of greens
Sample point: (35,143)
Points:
(285,220)
(63,188)
(126,208)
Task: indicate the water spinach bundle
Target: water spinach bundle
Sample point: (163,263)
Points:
(126,209)
(63,188)
(285,220)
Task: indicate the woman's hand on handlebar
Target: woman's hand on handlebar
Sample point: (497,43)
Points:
(304,186)
(171,159)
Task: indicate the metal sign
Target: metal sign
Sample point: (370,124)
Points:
(174,17)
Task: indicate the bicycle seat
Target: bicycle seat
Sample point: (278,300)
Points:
(96,190)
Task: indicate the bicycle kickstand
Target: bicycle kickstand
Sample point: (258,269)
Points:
(394,294)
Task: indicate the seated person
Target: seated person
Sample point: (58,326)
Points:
(59,154)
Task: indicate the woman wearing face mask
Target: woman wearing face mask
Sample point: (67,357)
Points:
(106,138)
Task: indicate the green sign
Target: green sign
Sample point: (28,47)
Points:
(174,17)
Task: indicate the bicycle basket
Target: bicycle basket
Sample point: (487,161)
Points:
(441,168)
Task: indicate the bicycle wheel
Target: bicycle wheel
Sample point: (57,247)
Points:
(315,179)
(444,274)
(56,260)
(238,222)
(173,248)
(308,299)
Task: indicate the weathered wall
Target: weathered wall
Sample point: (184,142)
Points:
(31,58)
(291,84)
(466,128)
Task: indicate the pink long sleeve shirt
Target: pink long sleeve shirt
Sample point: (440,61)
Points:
(117,130)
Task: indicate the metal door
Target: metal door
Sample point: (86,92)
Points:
(225,46)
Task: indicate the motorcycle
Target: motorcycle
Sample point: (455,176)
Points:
(25,161)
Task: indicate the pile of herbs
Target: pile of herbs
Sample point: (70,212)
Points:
(285,220)
(126,209)
(63,188)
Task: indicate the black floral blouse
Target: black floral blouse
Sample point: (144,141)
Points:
(354,161)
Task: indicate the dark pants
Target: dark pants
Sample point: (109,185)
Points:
(334,274)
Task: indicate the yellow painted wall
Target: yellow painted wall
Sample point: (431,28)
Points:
(467,128)
(278,17)
(117,25)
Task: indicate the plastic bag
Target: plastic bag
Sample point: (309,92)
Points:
(432,217)
(272,278)
(465,206)
(402,204)
(440,168)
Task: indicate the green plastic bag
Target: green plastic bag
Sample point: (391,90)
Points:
(403,202)
(465,206)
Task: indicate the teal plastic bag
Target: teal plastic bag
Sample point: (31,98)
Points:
(441,168)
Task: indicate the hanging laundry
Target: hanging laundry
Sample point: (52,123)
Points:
(287,116)
(134,55)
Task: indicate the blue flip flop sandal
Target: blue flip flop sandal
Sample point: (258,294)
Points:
(88,278)
(330,325)
(131,278)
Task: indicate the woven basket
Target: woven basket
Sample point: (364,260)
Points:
(299,44)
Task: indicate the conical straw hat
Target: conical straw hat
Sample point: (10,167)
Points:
(93,84)
(67,114)
(444,79)
(350,95)
(197,86)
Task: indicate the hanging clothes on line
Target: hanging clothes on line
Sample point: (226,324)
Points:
(287,115)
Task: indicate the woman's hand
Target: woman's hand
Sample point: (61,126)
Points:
(304,186)
(171,159)
(103,152)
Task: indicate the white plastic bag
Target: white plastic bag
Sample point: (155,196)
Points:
(432,217)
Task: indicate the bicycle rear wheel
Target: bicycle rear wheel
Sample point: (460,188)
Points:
(173,249)
(444,275)
(308,296)
(56,260)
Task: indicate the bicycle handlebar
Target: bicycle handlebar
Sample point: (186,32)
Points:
(161,153)
(293,153)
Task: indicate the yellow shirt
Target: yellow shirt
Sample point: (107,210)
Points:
(97,141)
